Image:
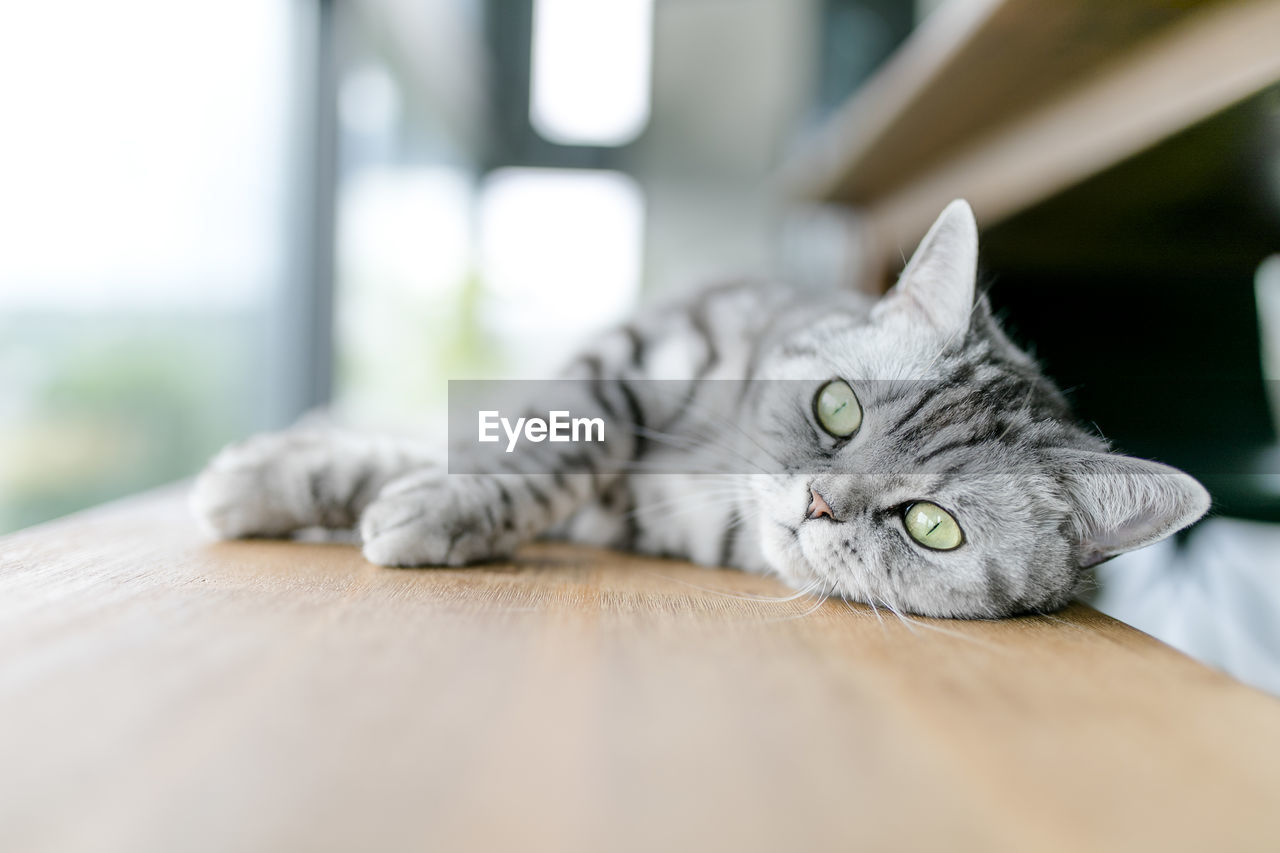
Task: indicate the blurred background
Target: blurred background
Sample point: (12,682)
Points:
(215,217)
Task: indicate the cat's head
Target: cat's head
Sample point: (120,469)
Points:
(932,467)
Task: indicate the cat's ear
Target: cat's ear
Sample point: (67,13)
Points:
(937,287)
(1122,503)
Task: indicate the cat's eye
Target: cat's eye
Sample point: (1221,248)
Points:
(837,409)
(932,526)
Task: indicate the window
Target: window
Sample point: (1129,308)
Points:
(145,235)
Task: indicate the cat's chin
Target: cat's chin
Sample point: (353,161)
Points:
(783,553)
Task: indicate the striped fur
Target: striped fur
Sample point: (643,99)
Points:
(954,414)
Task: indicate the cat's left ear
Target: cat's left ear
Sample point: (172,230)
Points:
(1122,503)
(937,287)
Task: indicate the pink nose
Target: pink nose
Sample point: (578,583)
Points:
(818,507)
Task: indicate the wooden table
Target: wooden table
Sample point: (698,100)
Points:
(162,692)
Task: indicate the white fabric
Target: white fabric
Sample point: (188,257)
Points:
(1217,597)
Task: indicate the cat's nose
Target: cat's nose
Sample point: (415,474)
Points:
(818,506)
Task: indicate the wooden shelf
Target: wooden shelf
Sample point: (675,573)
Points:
(1008,102)
(163,692)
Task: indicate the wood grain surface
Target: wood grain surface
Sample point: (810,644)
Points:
(160,692)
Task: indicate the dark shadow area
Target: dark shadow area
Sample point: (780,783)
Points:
(1137,290)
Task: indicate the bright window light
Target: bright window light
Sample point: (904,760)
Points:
(140,167)
(590,75)
(404,265)
(369,101)
(405,228)
(1267,294)
(560,258)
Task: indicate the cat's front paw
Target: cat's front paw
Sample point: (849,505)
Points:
(435,519)
(252,488)
(275,483)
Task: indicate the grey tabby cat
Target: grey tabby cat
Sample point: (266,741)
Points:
(907,454)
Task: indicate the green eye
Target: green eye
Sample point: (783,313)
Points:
(837,409)
(932,526)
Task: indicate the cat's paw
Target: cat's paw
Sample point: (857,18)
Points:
(263,486)
(431,518)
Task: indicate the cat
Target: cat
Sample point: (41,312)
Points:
(899,451)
